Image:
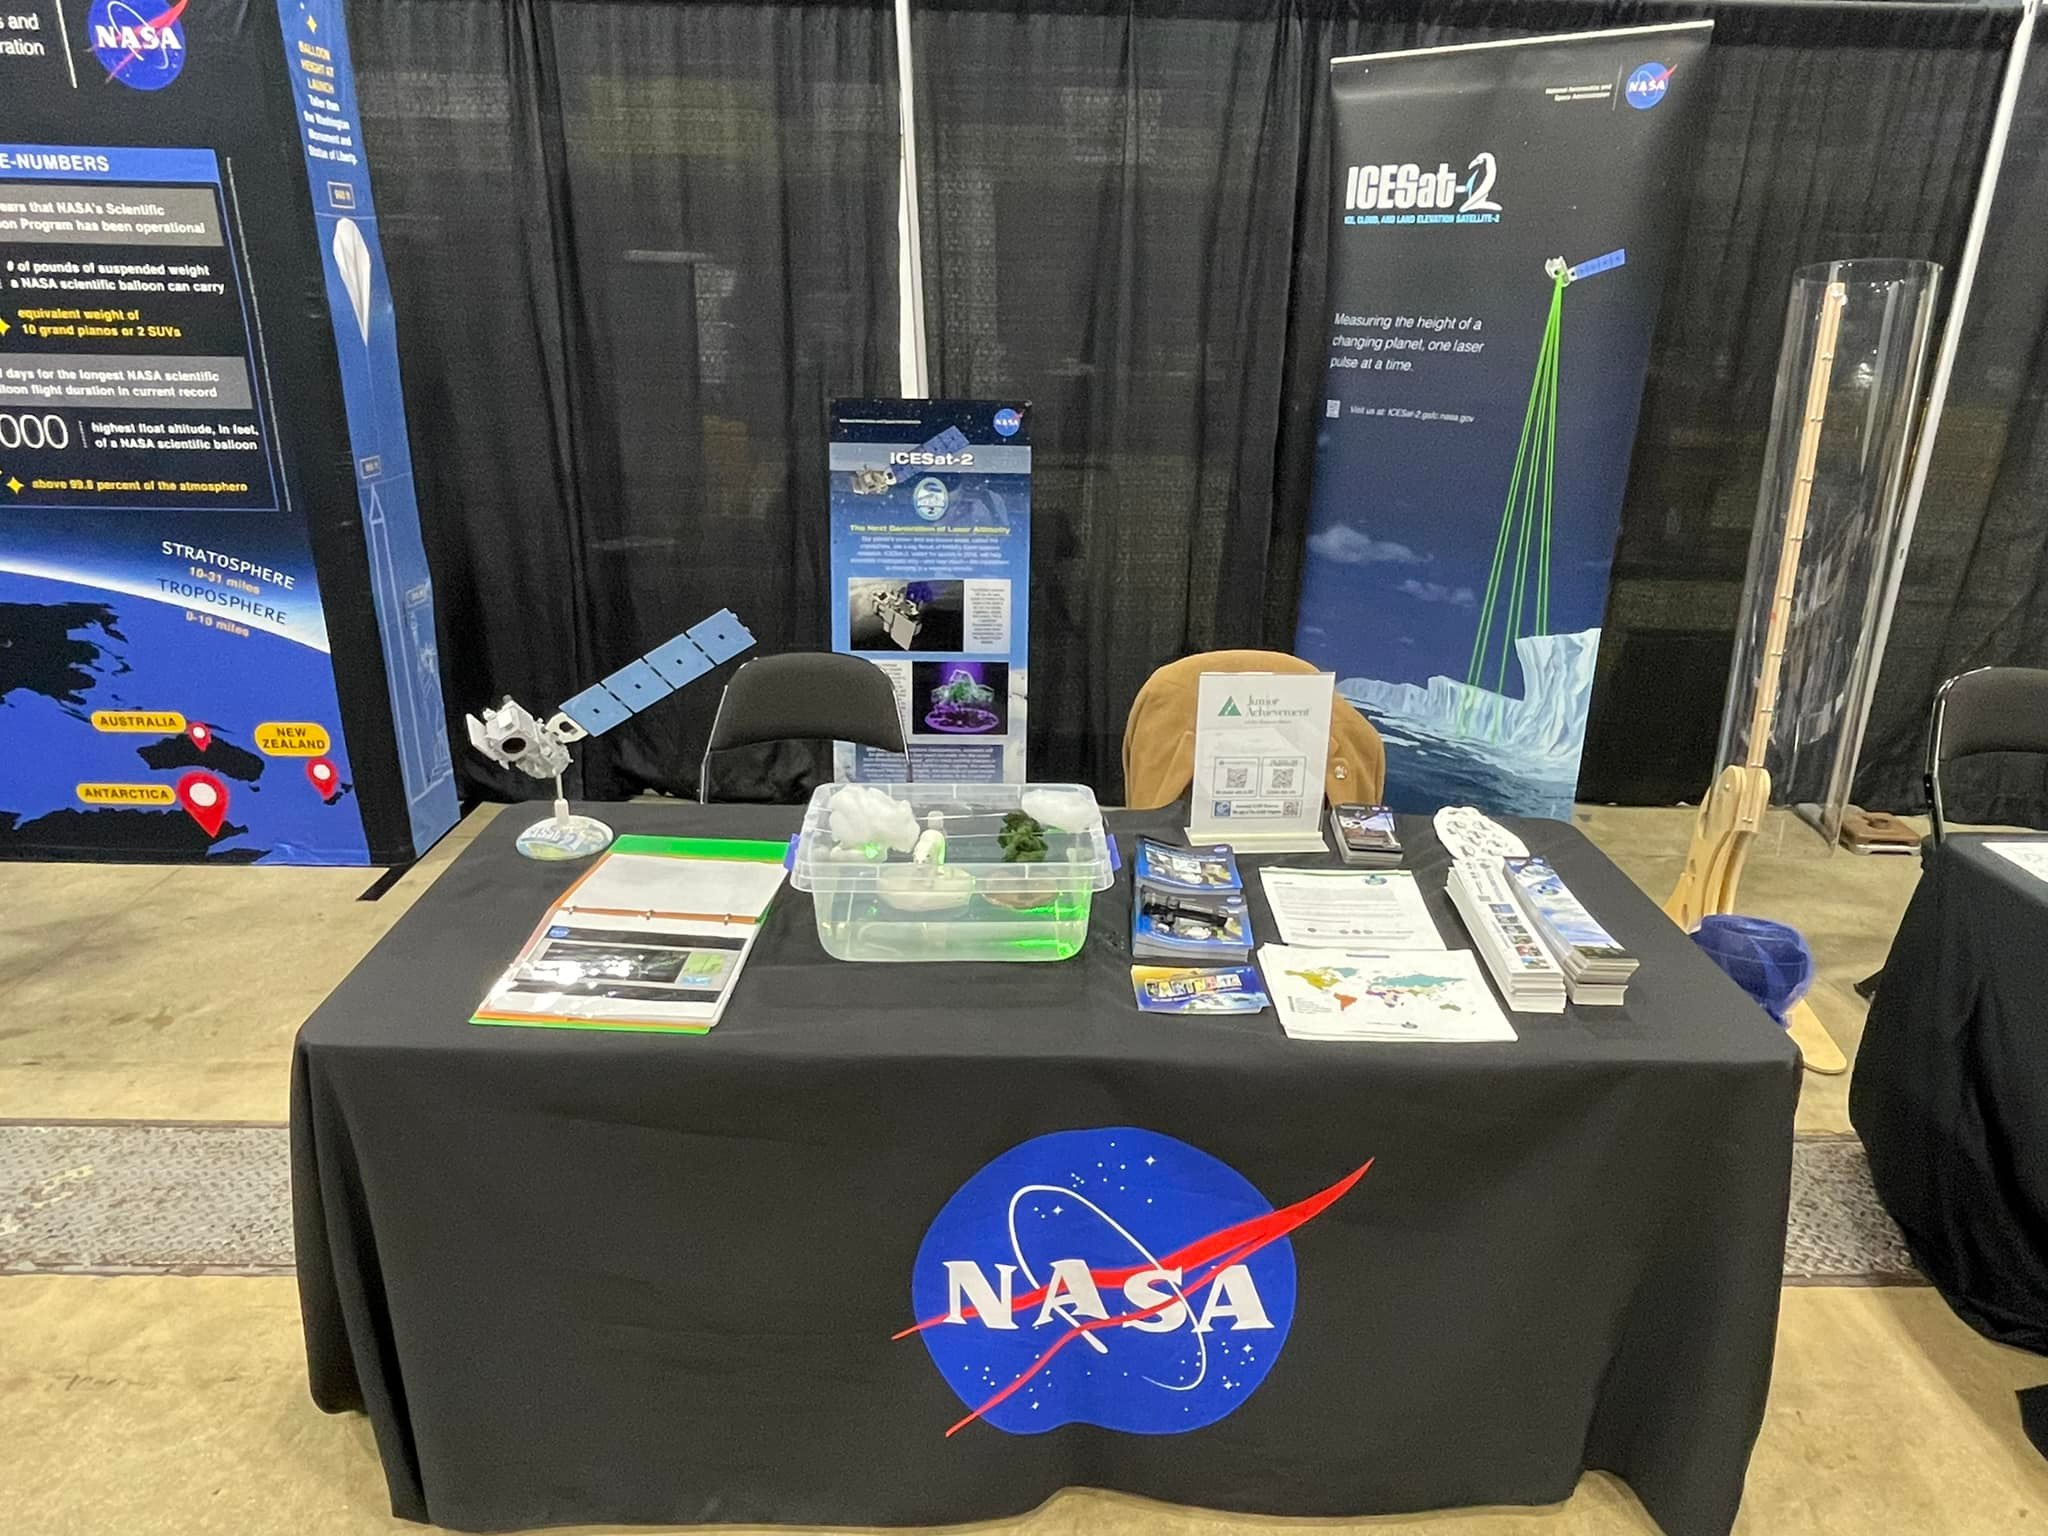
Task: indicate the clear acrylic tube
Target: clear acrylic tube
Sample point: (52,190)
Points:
(1795,710)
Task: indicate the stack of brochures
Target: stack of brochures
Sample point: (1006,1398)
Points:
(1528,979)
(1187,906)
(1435,996)
(1596,969)
(651,938)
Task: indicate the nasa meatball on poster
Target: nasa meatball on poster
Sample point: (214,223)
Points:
(216,642)
(1502,218)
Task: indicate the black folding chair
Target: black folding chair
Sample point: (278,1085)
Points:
(1993,709)
(805,696)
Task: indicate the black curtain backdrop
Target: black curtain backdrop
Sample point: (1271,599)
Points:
(1124,210)
(1861,135)
(1976,586)
(637,244)
(1110,203)
(634,248)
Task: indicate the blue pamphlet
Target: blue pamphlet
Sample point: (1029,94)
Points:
(1555,908)
(1195,929)
(1183,989)
(1168,867)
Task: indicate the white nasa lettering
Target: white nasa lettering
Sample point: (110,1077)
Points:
(137,39)
(1071,1290)
(1071,1293)
(964,1279)
(1236,1297)
(1147,1289)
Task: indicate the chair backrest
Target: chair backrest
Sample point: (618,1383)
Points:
(1159,734)
(1993,709)
(806,695)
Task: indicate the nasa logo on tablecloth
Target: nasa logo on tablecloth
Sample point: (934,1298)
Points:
(139,44)
(1114,1277)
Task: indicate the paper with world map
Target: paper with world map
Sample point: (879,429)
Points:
(1429,995)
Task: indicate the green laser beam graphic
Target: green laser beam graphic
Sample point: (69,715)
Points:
(1518,582)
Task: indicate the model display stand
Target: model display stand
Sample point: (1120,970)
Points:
(1848,392)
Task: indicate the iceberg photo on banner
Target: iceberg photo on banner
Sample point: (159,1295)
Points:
(1499,235)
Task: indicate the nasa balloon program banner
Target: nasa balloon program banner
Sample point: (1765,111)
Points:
(931,578)
(216,626)
(1502,218)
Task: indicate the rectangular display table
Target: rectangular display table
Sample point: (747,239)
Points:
(596,1278)
(1951,1088)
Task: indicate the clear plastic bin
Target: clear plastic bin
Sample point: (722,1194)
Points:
(876,901)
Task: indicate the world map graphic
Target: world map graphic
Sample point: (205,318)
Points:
(1346,985)
(62,662)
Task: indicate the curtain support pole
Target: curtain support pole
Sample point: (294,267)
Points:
(1944,363)
(913,369)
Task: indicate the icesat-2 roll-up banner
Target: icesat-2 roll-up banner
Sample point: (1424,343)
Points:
(931,579)
(216,626)
(1502,218)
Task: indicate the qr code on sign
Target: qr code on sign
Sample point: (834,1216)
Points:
(1283,779)
(1237,778)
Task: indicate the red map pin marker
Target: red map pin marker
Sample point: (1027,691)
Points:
(205,800)
(323,776)
(202,737)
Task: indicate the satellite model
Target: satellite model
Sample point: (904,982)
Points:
(512,737)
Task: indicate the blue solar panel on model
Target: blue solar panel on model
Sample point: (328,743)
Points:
(637,685)
(722,636)
(659,673)
(679,661)
(595,710)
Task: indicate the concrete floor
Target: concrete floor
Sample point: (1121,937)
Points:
(145,1406)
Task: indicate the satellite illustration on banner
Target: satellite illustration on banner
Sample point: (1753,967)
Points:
(1536,737)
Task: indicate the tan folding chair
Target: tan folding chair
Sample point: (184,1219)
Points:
(1159,735)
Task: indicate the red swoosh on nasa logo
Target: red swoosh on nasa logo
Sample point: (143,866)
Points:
(168,19)
(1218,1251)
(1264,1228)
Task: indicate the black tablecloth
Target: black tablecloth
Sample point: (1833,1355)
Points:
(578,1277)
(1951,1088)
